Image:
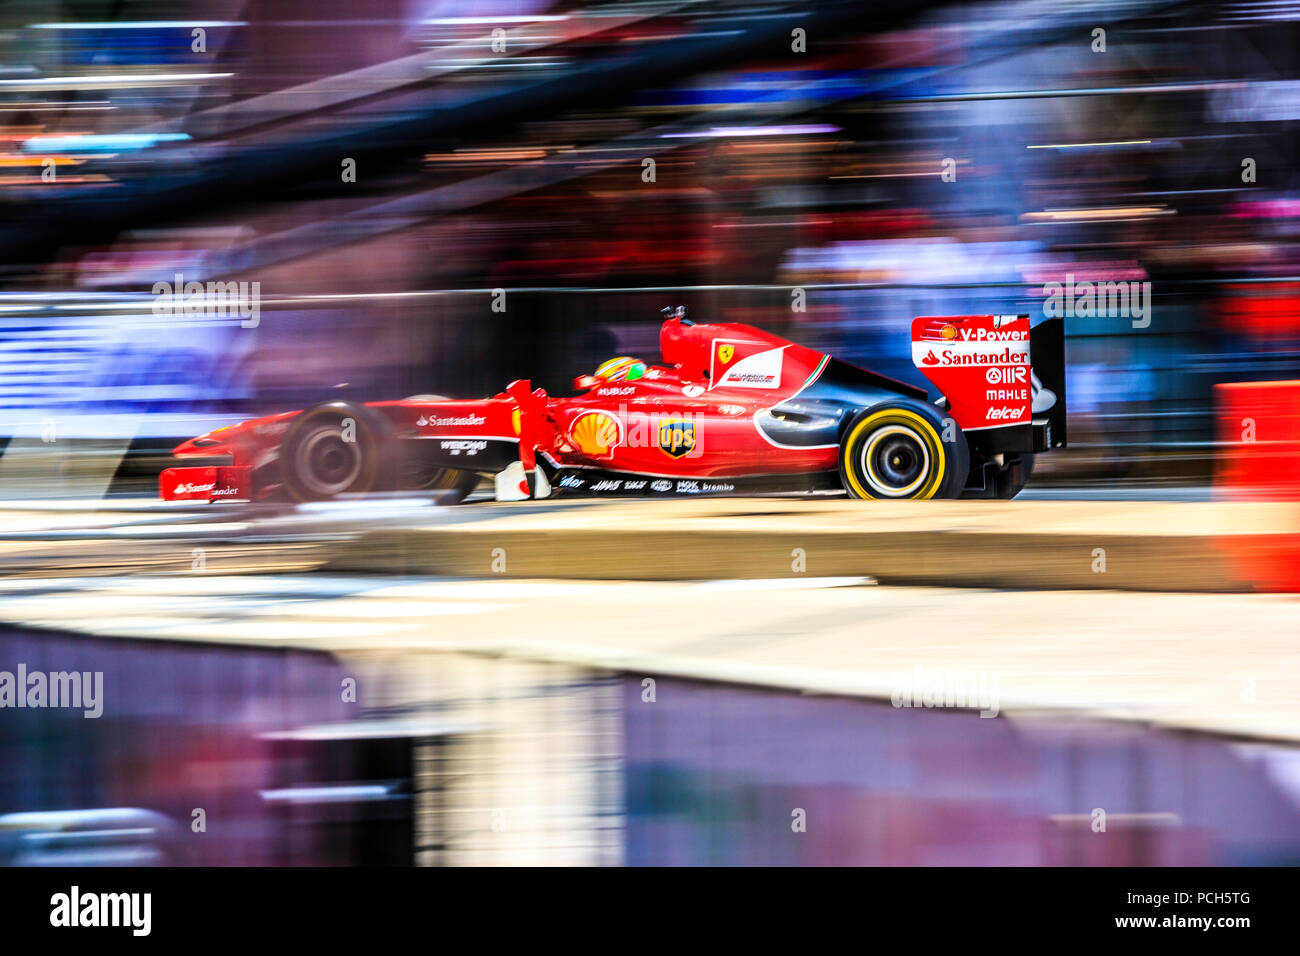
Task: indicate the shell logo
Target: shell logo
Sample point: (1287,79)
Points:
(948,332)
(595,433)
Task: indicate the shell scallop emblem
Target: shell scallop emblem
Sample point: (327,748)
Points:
(595,433)
(948,332)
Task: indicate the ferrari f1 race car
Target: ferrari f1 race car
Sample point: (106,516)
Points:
(732,410)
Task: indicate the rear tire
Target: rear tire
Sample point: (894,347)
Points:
(336,448)
(897,450)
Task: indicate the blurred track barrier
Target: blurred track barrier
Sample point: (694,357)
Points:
(720,774)
(1259,436)
(488,758)
(1142,546)
(138,752)
(1259,459)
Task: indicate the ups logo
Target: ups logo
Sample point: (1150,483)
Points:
(676,437)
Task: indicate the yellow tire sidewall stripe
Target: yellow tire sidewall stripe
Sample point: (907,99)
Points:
(896,416)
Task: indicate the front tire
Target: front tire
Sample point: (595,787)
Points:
(334,449)
(897,450)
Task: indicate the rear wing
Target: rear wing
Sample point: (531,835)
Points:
(1004,382)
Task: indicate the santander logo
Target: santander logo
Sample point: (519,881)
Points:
(189,489)
(930,359)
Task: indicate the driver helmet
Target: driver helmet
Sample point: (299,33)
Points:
(621,369)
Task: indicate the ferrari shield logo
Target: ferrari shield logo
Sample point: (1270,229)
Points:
(676,437)
(726,353)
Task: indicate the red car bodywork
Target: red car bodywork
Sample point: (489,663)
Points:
(732,407)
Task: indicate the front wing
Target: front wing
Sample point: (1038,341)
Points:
(206,483)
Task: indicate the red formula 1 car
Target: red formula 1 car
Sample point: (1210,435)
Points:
(733,410)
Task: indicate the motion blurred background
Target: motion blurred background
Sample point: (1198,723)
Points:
(827,170)
(380,172)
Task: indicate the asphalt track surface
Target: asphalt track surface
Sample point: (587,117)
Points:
(124,535)
(1217,663)
(1223,664)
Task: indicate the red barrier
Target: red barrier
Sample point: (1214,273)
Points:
(1259,441)
(1258,432)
